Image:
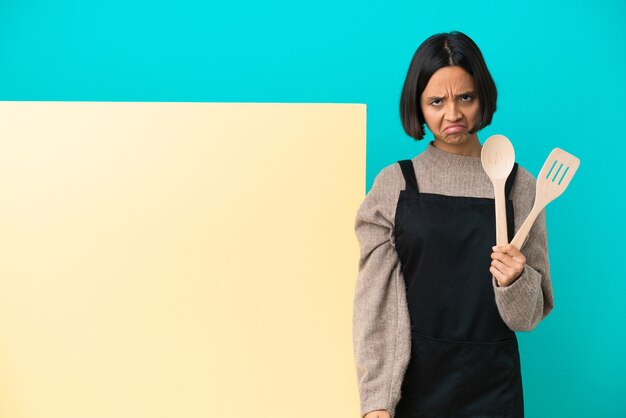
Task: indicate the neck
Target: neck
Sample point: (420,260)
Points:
(468,148)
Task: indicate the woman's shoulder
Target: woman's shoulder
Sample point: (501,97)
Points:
(523,190)
(525,182)
(389,177)
(524,175)
(381,199)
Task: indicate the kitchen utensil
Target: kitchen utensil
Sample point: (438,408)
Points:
(553,179)
(498,158)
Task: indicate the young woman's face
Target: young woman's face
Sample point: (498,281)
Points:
(450,105)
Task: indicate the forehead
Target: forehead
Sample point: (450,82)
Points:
(451,78)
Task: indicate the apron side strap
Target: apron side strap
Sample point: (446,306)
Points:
(409,174)
(509,181)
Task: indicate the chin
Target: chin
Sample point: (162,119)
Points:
(455,139)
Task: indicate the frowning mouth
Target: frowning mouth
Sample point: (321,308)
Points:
(454,128)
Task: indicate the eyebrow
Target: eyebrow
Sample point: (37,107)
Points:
(462,94)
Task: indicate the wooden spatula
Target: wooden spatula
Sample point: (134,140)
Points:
(553,179)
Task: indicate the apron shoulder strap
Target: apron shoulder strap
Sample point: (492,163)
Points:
(411,181)
(509,181)
(409,174)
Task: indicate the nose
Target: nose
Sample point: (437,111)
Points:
(452,112)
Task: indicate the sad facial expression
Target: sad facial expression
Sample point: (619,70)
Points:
(450,105)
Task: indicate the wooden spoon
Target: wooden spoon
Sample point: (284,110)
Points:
(498,158)
(552,181)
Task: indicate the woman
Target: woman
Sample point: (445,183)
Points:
(436,304)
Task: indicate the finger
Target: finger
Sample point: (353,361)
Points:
(511,263)
(515,253)
(509,260)
(500,277)
(505,258)
(503,268)
(500,249)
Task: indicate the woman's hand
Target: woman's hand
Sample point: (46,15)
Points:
(378,414)
(507,264)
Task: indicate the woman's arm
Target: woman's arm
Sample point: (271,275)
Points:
(529,299)
(381,325)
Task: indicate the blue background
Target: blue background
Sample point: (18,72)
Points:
(559,67)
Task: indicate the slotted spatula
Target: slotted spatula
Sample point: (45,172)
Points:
(552,181)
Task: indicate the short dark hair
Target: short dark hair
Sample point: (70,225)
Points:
(442,50)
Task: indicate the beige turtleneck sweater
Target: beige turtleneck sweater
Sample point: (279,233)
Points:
(381,327)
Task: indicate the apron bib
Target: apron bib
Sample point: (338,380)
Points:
(464,358)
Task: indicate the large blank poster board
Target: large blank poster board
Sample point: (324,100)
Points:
(178,259)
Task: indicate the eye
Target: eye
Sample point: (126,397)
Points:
(432,102)
(466,98)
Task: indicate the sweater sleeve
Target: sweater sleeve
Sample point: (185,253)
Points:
(381,325)
(528,300)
